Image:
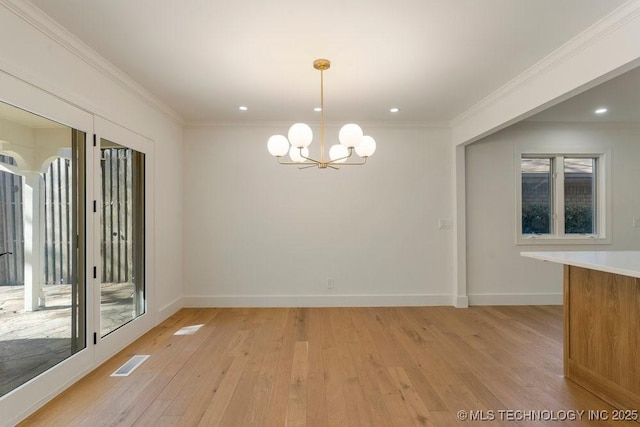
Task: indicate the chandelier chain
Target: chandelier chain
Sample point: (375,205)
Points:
(322,116)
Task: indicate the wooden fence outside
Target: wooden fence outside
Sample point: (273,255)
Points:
(116,225)
(58,220)
(11,237)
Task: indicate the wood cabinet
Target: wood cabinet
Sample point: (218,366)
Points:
(602,334)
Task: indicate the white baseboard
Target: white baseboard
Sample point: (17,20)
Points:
(461,301)
(169,309)
(515,299)
(356,301)
(316,300)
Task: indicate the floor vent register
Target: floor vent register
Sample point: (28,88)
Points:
(130,366)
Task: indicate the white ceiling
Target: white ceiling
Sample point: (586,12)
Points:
(431,58)
(620,96)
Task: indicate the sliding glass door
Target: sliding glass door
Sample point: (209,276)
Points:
(75,258)
(121,218)
(42,245)
(121,206)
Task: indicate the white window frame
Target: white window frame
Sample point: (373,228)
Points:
(603,200)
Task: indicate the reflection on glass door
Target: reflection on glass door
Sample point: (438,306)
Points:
(122,291)
(42,245)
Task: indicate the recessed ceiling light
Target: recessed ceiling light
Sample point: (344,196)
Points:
(243,108)
(394,110)
(317,109)
(601,111)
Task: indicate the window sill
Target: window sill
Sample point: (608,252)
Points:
(568,240)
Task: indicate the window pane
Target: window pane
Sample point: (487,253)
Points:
(579,196)
(537,196)
(42,246)
(122,289)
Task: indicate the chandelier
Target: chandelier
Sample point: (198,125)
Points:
(300,136)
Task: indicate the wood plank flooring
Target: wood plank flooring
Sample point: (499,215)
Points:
(336,367)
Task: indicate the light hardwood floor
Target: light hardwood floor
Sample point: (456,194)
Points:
(335,366)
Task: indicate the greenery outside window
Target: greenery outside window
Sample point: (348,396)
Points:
(561,198)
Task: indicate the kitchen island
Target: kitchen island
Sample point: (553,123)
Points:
(601,301)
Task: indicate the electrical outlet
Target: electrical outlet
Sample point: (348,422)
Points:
(330,283)
(636,222)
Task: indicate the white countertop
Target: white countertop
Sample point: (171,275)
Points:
(626,263)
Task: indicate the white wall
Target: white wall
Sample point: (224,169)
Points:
(496,273)
(31,55)
(260,234)
(43,66)
(601,52)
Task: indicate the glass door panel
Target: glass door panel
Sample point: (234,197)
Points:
(42,245)
(122,281)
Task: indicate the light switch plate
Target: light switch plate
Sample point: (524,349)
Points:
(445,224)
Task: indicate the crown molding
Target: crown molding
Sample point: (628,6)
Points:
(198,124)
(619,17)
(29,13)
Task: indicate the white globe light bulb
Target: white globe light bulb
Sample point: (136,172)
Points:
(300,135)
(278,145)
(294,154)
(350,135)
(367,147)
(338,151)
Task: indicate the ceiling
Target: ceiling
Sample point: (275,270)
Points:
(433,59)
(620,96)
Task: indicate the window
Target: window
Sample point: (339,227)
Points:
(561,198)
(580,192)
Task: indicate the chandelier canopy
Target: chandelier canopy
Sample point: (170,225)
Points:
(300,135)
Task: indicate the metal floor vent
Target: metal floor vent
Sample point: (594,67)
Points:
(130,366)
